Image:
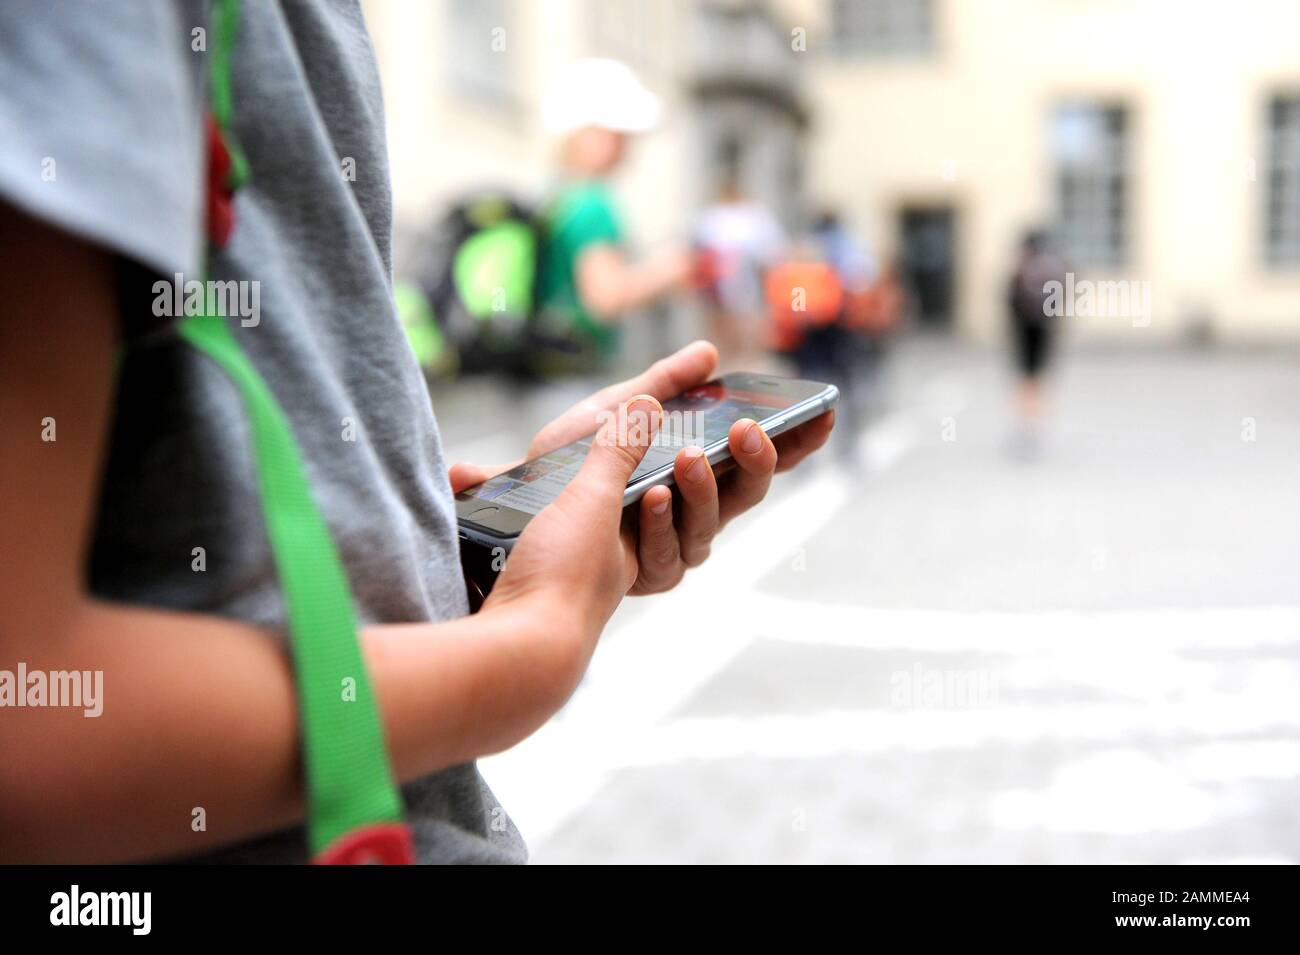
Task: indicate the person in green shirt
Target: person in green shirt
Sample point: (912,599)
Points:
(586,283)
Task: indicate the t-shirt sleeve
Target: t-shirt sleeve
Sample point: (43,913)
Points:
(101,123)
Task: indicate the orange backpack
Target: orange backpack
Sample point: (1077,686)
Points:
(800,296)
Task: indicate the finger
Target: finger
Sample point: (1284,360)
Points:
(664,379)
(616,450)
(755,458)
(795,445)
(698,520)
(658,550)
(463,474)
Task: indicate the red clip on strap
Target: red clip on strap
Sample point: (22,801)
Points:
(221,196)
(384,843)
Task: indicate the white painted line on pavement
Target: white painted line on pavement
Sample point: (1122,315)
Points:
(1064,632)
(857,732)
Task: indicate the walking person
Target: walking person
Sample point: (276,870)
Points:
(1033,333)
(588,282)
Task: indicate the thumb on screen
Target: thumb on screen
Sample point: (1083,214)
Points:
(617,449)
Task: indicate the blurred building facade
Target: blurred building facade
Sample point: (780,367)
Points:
(1160,140)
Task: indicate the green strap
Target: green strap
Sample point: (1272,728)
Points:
(349,781)
(225,25)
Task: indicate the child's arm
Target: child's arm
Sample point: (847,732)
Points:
(198,711)
(610,285)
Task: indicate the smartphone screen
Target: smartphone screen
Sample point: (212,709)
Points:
(701,416)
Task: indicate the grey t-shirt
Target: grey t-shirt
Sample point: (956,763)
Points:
(101,110)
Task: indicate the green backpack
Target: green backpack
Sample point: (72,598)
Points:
(471,305)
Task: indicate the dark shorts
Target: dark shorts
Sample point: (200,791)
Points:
(1033,342)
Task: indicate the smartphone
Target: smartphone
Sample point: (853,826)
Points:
(493,514)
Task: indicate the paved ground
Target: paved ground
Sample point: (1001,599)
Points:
(952,654)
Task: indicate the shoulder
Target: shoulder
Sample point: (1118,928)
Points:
(101,109)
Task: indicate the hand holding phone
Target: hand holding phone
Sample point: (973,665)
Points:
(662,540)
(696,423)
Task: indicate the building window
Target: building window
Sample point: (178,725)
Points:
(1282,185)
(882,27)
(478,49)
(1090,149)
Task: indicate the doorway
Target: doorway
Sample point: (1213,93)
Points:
(927,260)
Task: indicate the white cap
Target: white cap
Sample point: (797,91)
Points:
(599,92)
